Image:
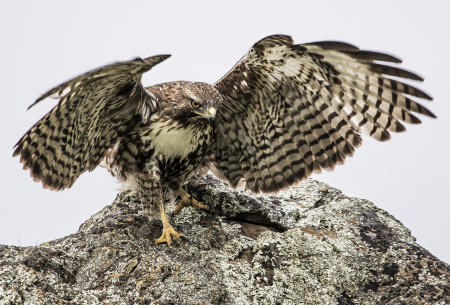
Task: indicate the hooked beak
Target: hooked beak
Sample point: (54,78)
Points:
(211,114)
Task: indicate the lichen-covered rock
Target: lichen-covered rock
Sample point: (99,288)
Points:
(310,245)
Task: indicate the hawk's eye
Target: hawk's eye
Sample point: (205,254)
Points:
(195,104)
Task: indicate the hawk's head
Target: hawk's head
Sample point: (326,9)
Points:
(194,102)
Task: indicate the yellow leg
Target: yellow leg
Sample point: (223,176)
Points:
(168,231)
(187,200)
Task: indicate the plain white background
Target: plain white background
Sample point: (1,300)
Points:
(46,42)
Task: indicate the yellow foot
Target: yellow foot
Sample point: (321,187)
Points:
(168,231)
(187,200)
(167,234)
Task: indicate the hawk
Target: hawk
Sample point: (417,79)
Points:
(282,112)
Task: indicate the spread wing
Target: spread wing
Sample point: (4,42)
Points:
(289,110)
(94,110)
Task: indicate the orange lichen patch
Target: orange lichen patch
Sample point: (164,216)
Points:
(318,233)
(115,276)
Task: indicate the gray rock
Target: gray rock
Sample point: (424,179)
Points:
(309,245)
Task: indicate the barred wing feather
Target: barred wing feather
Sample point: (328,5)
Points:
(94,110)
(289,110)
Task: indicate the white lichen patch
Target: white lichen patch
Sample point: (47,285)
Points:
(310,245)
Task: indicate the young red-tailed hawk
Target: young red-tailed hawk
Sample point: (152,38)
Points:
(282,112)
